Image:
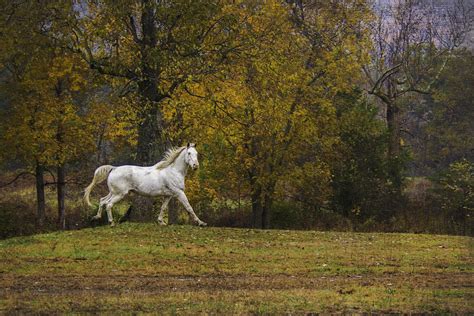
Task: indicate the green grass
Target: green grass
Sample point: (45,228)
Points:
(186,269)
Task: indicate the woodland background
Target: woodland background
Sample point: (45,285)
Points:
(337,115)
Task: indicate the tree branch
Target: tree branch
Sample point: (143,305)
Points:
(16,178)
(133,30)
(384,77)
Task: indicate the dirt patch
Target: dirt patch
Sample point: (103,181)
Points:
(116,284)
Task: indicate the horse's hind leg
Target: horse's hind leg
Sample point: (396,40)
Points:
(126,216)
(110,203)
(102,203)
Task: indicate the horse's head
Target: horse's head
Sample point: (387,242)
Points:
(191,156)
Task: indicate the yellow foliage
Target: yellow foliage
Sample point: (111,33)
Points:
(261,114)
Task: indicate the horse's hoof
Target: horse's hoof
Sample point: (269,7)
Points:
(202,224)
(161,223)
(94,218)
(112,224)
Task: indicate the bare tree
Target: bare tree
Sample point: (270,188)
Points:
(412,42)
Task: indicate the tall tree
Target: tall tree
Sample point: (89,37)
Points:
(446,134)
(25,144)
(412,42)
(273,109)
(154,46)
(42,126)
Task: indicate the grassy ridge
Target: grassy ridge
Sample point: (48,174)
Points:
(148,268)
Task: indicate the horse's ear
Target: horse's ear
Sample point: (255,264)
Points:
(188,145)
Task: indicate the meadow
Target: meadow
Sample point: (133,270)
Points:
(146,268)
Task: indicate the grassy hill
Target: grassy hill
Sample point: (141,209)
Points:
(186,269)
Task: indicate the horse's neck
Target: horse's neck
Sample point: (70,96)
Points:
(180,165)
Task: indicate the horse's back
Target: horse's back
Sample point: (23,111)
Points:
(142,180)
(124,176)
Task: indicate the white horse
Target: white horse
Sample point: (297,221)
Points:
(166,178)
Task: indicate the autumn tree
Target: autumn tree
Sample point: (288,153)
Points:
(153,46)
(272,110)
(42,125)
(25,143)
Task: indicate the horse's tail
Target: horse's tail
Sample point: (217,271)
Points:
(100,175)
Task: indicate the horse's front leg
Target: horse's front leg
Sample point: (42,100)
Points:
(184,200)
(164,207)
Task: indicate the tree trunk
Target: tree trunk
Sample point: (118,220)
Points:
(266,212)
(40,200)
(393,123)
(257,213)
(394,148)
(256,200)
(61,193)
(151,143)
(59,89)
(173,208)
(152,140)
(261,211)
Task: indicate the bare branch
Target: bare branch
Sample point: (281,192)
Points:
(16,178)
(384,77)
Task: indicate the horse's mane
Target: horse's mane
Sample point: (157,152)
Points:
(170,156)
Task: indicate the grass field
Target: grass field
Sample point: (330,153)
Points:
(185,269)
